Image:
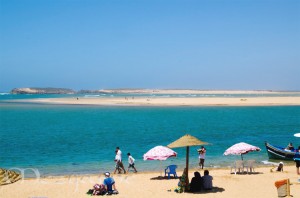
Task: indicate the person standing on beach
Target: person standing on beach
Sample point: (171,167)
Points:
(202,153)
(297,160)
(131,162)
(119,153)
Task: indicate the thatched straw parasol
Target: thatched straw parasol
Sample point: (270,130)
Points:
(187,141)
(8,176)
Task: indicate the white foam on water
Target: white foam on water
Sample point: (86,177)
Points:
(269,163)
(91,96)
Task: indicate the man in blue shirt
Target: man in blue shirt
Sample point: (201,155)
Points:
(109,183)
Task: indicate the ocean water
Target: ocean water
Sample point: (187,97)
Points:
(70,139)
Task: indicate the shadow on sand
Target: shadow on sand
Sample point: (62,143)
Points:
(163,178)
(245,173)
(214,190)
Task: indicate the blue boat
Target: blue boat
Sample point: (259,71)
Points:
(278,152)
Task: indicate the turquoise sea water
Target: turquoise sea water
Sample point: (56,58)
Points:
(69,139)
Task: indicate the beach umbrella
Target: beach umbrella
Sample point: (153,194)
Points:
(159,153)
(241,149)
(187,141)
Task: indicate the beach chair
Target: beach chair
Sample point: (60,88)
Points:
(171,170)
(283,188)
(238,166)
(250,166)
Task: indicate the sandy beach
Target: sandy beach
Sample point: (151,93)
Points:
(143,101)
(226,185)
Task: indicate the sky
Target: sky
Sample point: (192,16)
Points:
(151,44)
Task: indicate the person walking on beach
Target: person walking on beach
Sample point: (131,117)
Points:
(131,162)
(119,153)
(202,153)
(117,160)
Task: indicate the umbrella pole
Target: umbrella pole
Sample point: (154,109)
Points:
(187,167)
(160,168)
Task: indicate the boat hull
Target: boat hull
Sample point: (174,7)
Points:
(276,152)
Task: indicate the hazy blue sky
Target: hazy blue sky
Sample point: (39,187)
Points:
(95,44)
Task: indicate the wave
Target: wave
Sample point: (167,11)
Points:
(94,95)
(4,93)
(266,162)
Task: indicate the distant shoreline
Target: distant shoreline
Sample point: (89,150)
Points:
(170,101)
(142,91)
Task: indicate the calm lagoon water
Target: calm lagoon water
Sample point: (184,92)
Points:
(66,139)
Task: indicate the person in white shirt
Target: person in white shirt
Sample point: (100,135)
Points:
(119,153)
(131,162)
(117,167)
(202,153)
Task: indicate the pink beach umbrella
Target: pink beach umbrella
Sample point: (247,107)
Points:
(159,153)
(240,149)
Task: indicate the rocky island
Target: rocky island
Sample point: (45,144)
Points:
(48,90)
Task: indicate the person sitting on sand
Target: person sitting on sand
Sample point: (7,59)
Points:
(207,181)
(280,167)
(98,189)
(196,183)
(183,181)
(110,185)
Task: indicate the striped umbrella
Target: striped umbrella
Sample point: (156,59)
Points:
(240,149)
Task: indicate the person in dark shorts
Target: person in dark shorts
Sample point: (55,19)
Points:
(120,163)
(131,162)
(202,153)
(297,160)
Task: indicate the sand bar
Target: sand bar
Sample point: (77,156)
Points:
(172,101)
(260,185)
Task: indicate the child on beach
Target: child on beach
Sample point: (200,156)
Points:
(280,167)
(131,162)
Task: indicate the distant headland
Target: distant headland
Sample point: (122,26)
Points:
(50,90)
